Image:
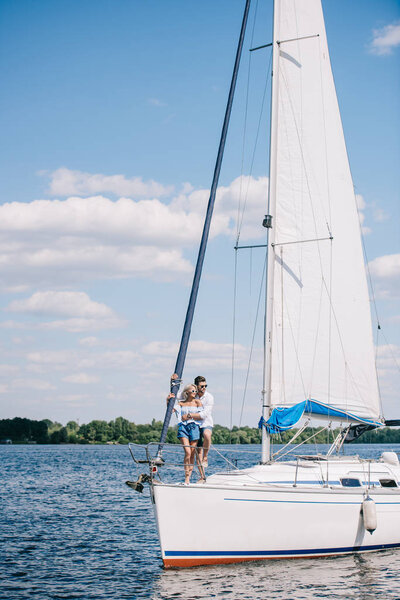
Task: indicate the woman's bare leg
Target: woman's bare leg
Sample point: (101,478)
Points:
(192,451)
(187,458)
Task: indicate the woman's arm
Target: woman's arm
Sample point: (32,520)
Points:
(198,414)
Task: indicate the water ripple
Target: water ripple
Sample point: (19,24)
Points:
(71,529)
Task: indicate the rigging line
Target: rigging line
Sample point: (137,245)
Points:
(282,331)
(296,339)
(254,149)
(391,351)
(245,122)
(330,326)
(296,351)
(233,344)
(330,220)
(325,138)
(355,386)
(305,441)
(253,336)
(250,270)
(302,241)
(371,287)
(316,340)
(275,342)
(367,263)
(296,435)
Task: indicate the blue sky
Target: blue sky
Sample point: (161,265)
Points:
(110,118)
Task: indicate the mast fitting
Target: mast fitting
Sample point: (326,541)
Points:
(267,222)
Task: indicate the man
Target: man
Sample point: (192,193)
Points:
(206,424)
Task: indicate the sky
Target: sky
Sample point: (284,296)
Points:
(110,113)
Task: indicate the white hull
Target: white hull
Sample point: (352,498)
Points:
(214,523)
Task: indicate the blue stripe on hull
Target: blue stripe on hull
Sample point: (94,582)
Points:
(277,553)
(358,502)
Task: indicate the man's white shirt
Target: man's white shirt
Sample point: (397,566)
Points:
(207,401)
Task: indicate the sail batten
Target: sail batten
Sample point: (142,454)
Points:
(322,336)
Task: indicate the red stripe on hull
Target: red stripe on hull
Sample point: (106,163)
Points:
(170,563)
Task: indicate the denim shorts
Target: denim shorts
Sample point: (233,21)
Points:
(191,431)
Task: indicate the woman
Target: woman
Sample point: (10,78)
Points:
(188,409)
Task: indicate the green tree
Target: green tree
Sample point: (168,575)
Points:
(72,426)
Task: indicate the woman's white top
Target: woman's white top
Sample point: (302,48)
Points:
(205,410)
(184,410)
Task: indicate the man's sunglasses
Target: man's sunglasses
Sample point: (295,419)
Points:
(202,386)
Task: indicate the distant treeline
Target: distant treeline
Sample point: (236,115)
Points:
(122,431)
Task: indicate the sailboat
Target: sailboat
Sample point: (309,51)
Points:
(318,358)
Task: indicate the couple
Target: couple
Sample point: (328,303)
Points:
(193,410)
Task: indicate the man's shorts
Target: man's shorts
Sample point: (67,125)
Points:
(200,444)
(191,431)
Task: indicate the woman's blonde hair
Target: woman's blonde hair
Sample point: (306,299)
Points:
(186,389)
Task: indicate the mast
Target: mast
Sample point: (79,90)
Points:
(180,361)
(269,287)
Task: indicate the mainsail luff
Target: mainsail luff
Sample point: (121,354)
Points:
(322,335)
(269,286)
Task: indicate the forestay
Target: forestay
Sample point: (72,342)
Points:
(322,346)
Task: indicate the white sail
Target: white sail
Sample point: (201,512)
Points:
(322,345)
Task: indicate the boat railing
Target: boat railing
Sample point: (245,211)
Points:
(170,468)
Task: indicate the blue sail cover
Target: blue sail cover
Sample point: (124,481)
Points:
(282,419)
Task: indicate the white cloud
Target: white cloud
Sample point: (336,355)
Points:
(385,272)
(385,39)
(156,102)
(64,182)
(45,242)
(67,304)
(120,359)
(84,314)
(33,384)
(64,360)
(81,378)
(75,400)
(380,215)
(148,222)
(89,341)
(51,358)
(243,192)
(82,325)
(57,243)
(201,354)
(71,325)
(388,357)
(361,206)
(8,369)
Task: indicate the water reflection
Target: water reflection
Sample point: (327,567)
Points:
(365,577)
(71,528)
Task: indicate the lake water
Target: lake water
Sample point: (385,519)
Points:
(71,528)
